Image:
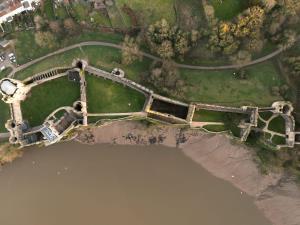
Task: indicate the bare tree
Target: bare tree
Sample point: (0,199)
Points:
(130,50)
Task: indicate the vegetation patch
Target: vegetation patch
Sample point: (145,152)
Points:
(223,87)
(151,11)
(261,124)
(190,14)
(215,128)
(104,96)
(46,98)
(48,9)
(5,72)
(4,115)
(265,115)
(278,140)
(102,57)
(228,9)
(202,115)
(27,49)
(277,125)
(95,119)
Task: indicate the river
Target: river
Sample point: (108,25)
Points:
(74,184)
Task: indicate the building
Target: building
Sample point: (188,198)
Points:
(13,90)
(9,8)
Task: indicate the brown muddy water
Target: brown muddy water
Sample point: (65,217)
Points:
(74,184)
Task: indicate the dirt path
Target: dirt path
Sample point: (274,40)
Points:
(147,55)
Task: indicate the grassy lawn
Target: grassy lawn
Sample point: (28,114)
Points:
(228,9)
(101,57)
(277,124)
(223,88)
(27,49)
(266,115)
(215,128)
(208,116)
(151,11)
(278,140)
(80,11)
(64,59)
(4,108)
(47,97)
(230,120)
(4,115)
(48,9)
(261,124)
(95,119)
(190,14)
(100,19)
(105,96)
(61,12)
(5,72)
(115,17)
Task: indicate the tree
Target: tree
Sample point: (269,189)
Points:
(55,26)
(167,41)
(45,39)
(287,39)
(250,22)
(254,45)
(294,65)
(39,22)
(130,50)
(165,77)
(70,25)
(165,50)
(222,38)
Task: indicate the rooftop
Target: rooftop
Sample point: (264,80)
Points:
(7,87)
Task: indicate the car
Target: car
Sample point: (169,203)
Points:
(2,57)
(2,68)
(11,55)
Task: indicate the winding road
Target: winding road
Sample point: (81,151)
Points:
(147,55)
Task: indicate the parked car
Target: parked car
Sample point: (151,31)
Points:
(2,68)
(2,57)
(12,58)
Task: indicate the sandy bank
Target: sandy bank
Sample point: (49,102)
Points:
(275,194)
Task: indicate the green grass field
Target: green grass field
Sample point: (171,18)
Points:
(215,128)
(44,99)
(4,115)
(101,57)
(151,11)
(190,14)
(4,109)
(48,9)
(105,96)
(230,120)
(278,140)
(5,72)
(27,49)
(208,116)
(228,9)
(223,88)
(277,124)
(61,12)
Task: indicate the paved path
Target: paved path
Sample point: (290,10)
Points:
(147,55)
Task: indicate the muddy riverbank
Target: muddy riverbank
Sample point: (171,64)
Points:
(275,194)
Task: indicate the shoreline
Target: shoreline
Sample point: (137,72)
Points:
(275,194)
